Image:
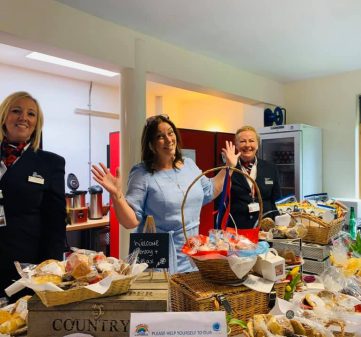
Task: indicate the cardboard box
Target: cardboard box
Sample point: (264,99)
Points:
(316,267)
(307,250)
(100,317)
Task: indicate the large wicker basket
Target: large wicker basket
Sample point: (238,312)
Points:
(218,270)
(53,298)
(191,292)
(319,231)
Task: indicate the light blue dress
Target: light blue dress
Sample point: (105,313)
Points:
(160,194)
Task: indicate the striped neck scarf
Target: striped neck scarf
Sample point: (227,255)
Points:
(11,151)
(248,165)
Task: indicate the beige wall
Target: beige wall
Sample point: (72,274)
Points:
(46,25)
(192,110)
(332,104)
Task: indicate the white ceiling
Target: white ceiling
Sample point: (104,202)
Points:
(285,40)
(15,56)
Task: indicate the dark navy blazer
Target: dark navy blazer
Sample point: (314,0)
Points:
(35,213)
(268,184)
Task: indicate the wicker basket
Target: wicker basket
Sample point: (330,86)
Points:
(53,298)
(319,231)
(191,292)
(218,270)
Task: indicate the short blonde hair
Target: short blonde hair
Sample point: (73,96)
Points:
(247,128)
(4,111)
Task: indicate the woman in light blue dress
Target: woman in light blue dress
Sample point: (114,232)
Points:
(157,186)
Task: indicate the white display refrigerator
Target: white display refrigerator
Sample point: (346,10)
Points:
(296,150)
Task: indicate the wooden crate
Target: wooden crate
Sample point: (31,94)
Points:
(98,317)
(156,281)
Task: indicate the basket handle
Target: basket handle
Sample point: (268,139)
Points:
(217,169)
(309,218)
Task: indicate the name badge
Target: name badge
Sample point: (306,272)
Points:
(253,207)
(268,181)
(36,180)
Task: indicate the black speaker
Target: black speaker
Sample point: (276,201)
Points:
(276,117)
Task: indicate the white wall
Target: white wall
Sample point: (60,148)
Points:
(332,104)
(65,132)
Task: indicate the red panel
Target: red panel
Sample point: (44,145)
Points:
(203,143)
(114,162)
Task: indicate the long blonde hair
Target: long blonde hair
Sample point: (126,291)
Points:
(4,111)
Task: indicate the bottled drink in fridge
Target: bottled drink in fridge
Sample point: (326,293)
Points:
(352,224)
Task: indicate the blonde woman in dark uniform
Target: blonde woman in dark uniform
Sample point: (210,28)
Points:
(32,185)
(244,201)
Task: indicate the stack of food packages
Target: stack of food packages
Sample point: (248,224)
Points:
(318,205)
(289,224)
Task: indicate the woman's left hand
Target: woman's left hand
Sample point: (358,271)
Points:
(229,153)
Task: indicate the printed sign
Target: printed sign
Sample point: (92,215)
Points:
(154,248)
(176,324)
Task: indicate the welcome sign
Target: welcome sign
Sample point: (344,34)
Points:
(154,248)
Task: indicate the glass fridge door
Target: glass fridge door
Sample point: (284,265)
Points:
(282,149)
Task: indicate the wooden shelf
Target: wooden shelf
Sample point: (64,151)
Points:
(89,224)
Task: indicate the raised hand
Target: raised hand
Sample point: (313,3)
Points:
(230,155)
(102,176)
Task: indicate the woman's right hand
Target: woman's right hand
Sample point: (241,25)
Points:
(103,177)
(124,213)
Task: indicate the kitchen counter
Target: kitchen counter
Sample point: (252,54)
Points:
(89,224)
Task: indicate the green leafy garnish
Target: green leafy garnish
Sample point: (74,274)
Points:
(356,245)
(235,321)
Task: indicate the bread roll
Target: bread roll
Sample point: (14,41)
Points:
(44,278)
(267,224)
(4,316)
(250,328)
(80,270)
(275,327)
(78,265)
(298,327)
(12,324)
(50,266)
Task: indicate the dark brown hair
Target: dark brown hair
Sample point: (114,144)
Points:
(148,137)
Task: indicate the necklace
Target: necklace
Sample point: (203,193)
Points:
(174,180)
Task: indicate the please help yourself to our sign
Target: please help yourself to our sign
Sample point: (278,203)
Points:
(178,324)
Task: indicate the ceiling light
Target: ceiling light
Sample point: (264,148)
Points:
(70,64)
